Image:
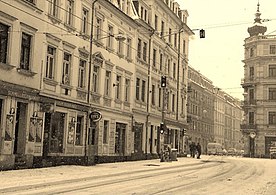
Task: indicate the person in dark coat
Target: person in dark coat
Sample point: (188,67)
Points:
(198,148)
(192,149)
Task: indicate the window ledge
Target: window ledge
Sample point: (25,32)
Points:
(6,66)
(65,86)
(127,103)
(118,101)
(84,36)
(109,49)
(26,72)
(69,27)
(50,81)
(31,5)
(107,98)
(82,89)
(54,19)
(129,59)
(120,55)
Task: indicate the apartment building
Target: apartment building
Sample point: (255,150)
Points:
(259,90)
(77,93)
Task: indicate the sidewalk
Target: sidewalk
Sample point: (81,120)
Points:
(15,178)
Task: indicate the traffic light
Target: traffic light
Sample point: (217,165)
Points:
(162,128)
(184,132)
(163,81)
(202,33)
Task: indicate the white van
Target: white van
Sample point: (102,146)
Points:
(214,149)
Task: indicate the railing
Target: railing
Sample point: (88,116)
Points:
(248,126)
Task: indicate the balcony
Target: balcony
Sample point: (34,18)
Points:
(248,82)
(248,126)
(248,103)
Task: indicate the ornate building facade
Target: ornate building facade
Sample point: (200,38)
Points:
(80,80)
(259,90)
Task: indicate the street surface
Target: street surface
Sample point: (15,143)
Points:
(216,175)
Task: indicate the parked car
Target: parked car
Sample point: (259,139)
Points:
(232,152)
(214,149)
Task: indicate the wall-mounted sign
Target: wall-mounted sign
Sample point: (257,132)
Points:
(95,116)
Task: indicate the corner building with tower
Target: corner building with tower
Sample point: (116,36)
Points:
(259,85)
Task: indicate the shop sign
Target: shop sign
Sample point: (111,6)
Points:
(95,116)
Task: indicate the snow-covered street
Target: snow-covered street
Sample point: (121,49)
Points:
(208,175)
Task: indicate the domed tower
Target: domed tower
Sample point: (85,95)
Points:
(258,28)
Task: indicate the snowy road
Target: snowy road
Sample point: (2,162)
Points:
(209,175)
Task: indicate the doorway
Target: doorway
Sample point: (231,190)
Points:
(120,138)
(53,133)
(20,128)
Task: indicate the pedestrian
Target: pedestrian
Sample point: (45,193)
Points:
(192,149)
(198,148)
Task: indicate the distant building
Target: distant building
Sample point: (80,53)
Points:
(213,115)
(259,85)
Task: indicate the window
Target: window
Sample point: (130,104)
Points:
(66,68)
(50,62)
(105,131)
(174,70)
(251,118)
(110,37)
(169,67)
(84,21)
(162,29)
(143,92)
(69,12)
(82,73)
(129,48)
(184,47)
(127,90)
(139,48)
(272,118)
(156,22)
(137,88)
(251,52)
(182,105)
(272,93)
(170,35)
(145,51)
(272,70)
(153,95)
(79,128)
(98,28)
(173,102)
(25,51)
(175,40)
(272,49)
(4,36)
(107,83)
(118,87)
(120,46)
(251,72)
(154,58)
(53,8)
(161,61)
(95,78)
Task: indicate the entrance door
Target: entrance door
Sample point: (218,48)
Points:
(138,138)
(120,138)
(20,128)
(53,133)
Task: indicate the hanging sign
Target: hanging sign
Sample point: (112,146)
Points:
(95,116)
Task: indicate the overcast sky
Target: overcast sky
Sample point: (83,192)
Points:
(219,56)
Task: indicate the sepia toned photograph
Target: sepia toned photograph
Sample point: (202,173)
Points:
(138,97)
